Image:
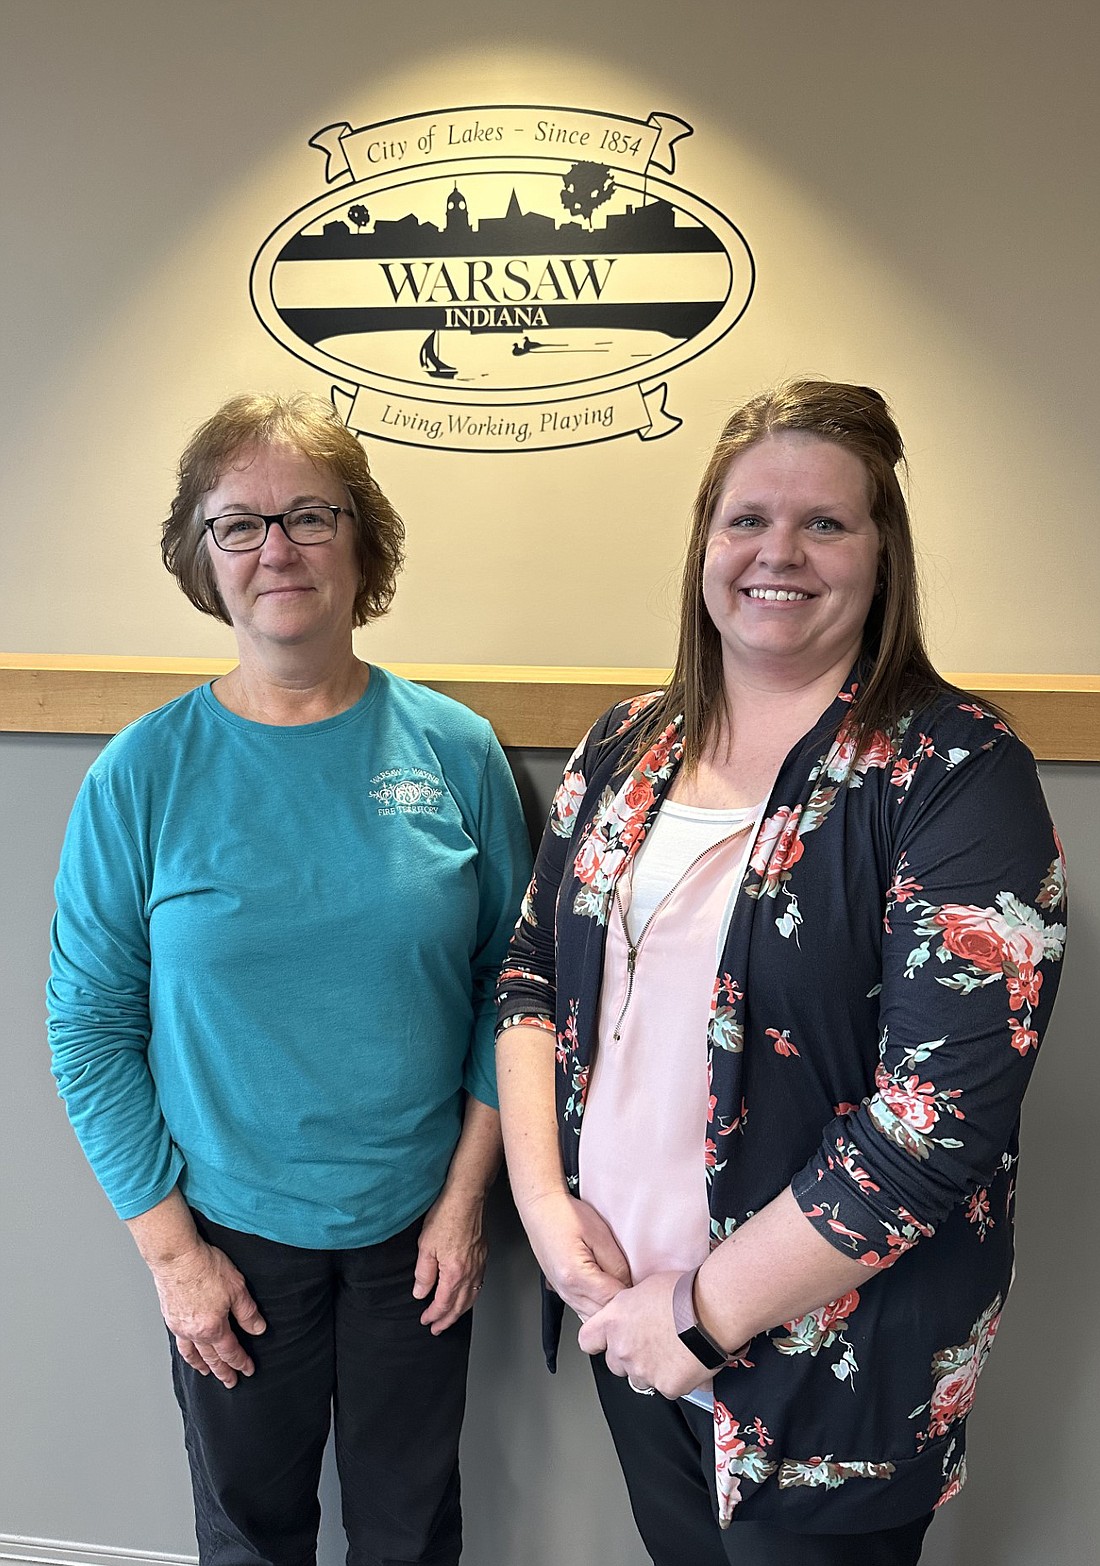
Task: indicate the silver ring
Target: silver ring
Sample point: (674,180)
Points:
(642,1391)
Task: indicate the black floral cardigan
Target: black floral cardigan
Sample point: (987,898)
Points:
(888,973)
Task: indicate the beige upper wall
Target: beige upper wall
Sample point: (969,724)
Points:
(917,184)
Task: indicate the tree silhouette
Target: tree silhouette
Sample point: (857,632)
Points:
(359,216)
(587,186)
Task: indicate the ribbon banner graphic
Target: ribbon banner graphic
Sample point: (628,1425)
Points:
(503,277)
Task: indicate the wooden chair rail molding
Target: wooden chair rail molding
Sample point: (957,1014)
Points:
(57,693)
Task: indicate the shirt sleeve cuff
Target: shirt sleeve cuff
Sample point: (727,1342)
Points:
(522,1019)
(829,1192)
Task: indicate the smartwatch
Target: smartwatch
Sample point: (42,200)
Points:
(694,1337)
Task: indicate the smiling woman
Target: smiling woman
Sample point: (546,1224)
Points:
(299,1140)
(792,558)
(747,1062)
(282,592)
(263,455)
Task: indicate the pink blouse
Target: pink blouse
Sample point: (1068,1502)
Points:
(643,1152)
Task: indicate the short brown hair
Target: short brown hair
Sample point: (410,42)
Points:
(311,426)
(901,676)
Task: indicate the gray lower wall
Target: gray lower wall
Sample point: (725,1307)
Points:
(90,1448)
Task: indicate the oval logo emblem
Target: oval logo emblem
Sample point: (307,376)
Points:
(503,278)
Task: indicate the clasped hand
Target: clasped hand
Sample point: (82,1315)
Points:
(635,1331)
(630,1323)
(579,1256)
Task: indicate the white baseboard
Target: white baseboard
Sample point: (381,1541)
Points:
(64,1552)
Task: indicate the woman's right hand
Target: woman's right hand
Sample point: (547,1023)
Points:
(579,1256)
(199,1291)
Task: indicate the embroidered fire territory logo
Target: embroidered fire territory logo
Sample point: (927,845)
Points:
(406,791)
(503,278)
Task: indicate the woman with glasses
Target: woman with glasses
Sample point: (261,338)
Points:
(282,902)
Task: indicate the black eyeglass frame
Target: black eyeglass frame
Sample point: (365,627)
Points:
(277,518)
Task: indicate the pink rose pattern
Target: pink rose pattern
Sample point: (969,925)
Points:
(1052,893)
(739,1451)
(726,1030)
(954,1475)
(779,845)
(568,796)
(826,1473)
(978,1213)
(955,1373)
(566,802)
(1005,944)
(907,1110)
(780,842)
(635,708)
(921,1110)
(844,764)
(717,1125)
(528,907)
(576,1070)
(823,1329)
(902,889)
(618,826)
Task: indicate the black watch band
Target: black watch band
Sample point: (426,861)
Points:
(694,1337)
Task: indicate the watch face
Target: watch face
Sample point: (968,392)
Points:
(706,1351)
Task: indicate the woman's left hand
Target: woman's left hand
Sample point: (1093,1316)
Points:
(451,1258)
(636,1332)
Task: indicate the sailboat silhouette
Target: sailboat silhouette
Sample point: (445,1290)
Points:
(430,360)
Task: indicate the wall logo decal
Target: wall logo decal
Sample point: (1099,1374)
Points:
(503,278)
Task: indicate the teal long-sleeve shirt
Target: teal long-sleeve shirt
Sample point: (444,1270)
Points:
(274,955)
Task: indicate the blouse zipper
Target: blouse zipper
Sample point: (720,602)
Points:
(631,959)
(633,947)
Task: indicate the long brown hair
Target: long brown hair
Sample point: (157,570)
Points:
(901,676)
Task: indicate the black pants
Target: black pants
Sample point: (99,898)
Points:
(343,1342)
(667,1455)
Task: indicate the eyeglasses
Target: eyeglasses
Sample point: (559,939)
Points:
(241,532)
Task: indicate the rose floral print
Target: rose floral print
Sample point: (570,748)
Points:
(563,812)
(821,1329)
(824,1472)
(739,1452)
(907,1110)
(1008,942)
(726,1030)
(877,1008)
(955,1373)
(618,827)
(954,1471)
